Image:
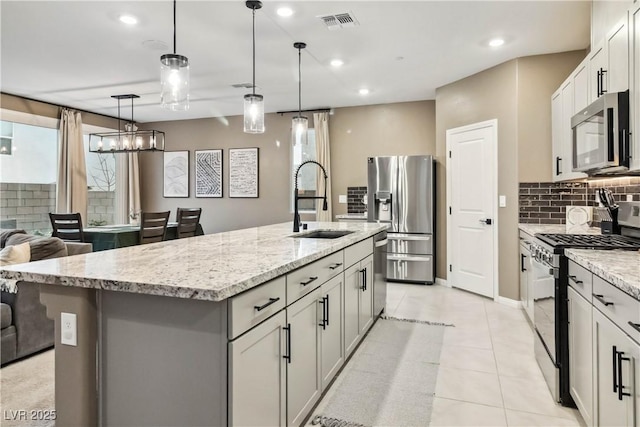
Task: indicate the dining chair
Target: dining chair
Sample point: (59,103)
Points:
(153,226)
(188,219)
(67,226)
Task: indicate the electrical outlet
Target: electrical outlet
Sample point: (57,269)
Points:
(68,329)
(502,201)
(342,198)
(629,197)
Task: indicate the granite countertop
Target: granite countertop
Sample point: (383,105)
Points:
(212,267)
(532,229)
(619,267)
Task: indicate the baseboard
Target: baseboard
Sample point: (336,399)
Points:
(442,282)
(509,302)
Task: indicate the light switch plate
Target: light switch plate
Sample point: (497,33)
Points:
(502,201)
(68,329)
(342,198)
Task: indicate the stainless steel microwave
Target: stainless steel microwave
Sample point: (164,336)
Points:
(601,135)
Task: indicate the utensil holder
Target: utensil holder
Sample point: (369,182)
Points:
(611,227)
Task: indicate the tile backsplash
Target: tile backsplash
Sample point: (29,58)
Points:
(354,199)
(546,202)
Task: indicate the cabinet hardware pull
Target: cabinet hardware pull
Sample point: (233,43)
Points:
(363,273)
(288,355)
(635,326)
(522,257)
(558,159)
(575,280)
(600,298)
(311,279)
(598,75)
(614,357)
(621,393)
(327,307)
(324,314)
(602,73)
(336,265)
(266,304)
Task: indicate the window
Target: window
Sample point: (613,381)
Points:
(29,172)
(307,176)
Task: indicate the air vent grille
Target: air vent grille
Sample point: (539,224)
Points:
(339,20)
(243,85)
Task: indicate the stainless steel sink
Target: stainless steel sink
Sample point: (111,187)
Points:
(324,234)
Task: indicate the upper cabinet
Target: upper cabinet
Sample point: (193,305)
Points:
(609,61)
(634,40)
(604,15)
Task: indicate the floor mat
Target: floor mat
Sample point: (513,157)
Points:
(390,380)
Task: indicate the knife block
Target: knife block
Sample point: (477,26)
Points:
(611,227)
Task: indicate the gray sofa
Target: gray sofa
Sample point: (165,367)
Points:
(25,328)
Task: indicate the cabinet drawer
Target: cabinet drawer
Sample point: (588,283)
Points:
(617,306)
(581,280)
(309,277)
(355,253)
(255,305)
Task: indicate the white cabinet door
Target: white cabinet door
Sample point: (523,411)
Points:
(581,354)
(615,357)
(617,48)
(556,135)
(351,301)
(635,88)
(597,64)
(257,375)
(567,133)
(332,343)
(580,79)
(303,367)
(365,309)
(526,293)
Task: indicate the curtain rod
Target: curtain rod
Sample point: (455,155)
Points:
(58,105)
(305,111)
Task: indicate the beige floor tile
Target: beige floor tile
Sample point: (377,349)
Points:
(447,412)
(531,395)
(526,419)
(521,365)
(476,337)
(469,386)
(473,359)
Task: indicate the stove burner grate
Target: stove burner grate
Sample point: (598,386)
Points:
(590,241)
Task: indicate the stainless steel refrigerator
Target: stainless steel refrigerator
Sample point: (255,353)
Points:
(401,192)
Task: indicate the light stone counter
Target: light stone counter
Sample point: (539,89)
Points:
(212,267)
(621,268)
(532,229)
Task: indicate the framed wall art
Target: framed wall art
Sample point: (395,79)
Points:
(243,172)
(209,173)
(176,174)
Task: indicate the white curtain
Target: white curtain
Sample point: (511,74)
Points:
(133,190)
(71,190)
(321,126)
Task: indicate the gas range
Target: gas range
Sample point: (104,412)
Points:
(589,241)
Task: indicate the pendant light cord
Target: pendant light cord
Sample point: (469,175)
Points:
(299,83)
(254,51)
(174,27)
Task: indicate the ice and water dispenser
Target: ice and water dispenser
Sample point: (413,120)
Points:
(382,208)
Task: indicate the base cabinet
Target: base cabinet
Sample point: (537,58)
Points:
(616,358)
(332,343)
(580,354)
(358,299)
(257,375)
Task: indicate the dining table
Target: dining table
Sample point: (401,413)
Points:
(105,237)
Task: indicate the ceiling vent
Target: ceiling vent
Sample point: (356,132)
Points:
(339,20)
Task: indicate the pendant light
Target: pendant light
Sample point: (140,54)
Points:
(254,103)
(300,123)
(174,76)
(129,140)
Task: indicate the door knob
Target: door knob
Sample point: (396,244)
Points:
(486,221)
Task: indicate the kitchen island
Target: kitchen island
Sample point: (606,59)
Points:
(243,327)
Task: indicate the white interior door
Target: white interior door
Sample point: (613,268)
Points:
(471,192)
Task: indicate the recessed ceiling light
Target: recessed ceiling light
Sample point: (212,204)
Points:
(496,42)
(336,63)
(128,19)
(363,91)
(284,11)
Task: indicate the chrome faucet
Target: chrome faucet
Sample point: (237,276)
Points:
(296,215)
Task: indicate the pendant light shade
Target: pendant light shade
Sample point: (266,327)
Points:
(299,124)
(174,76)
(254,103)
